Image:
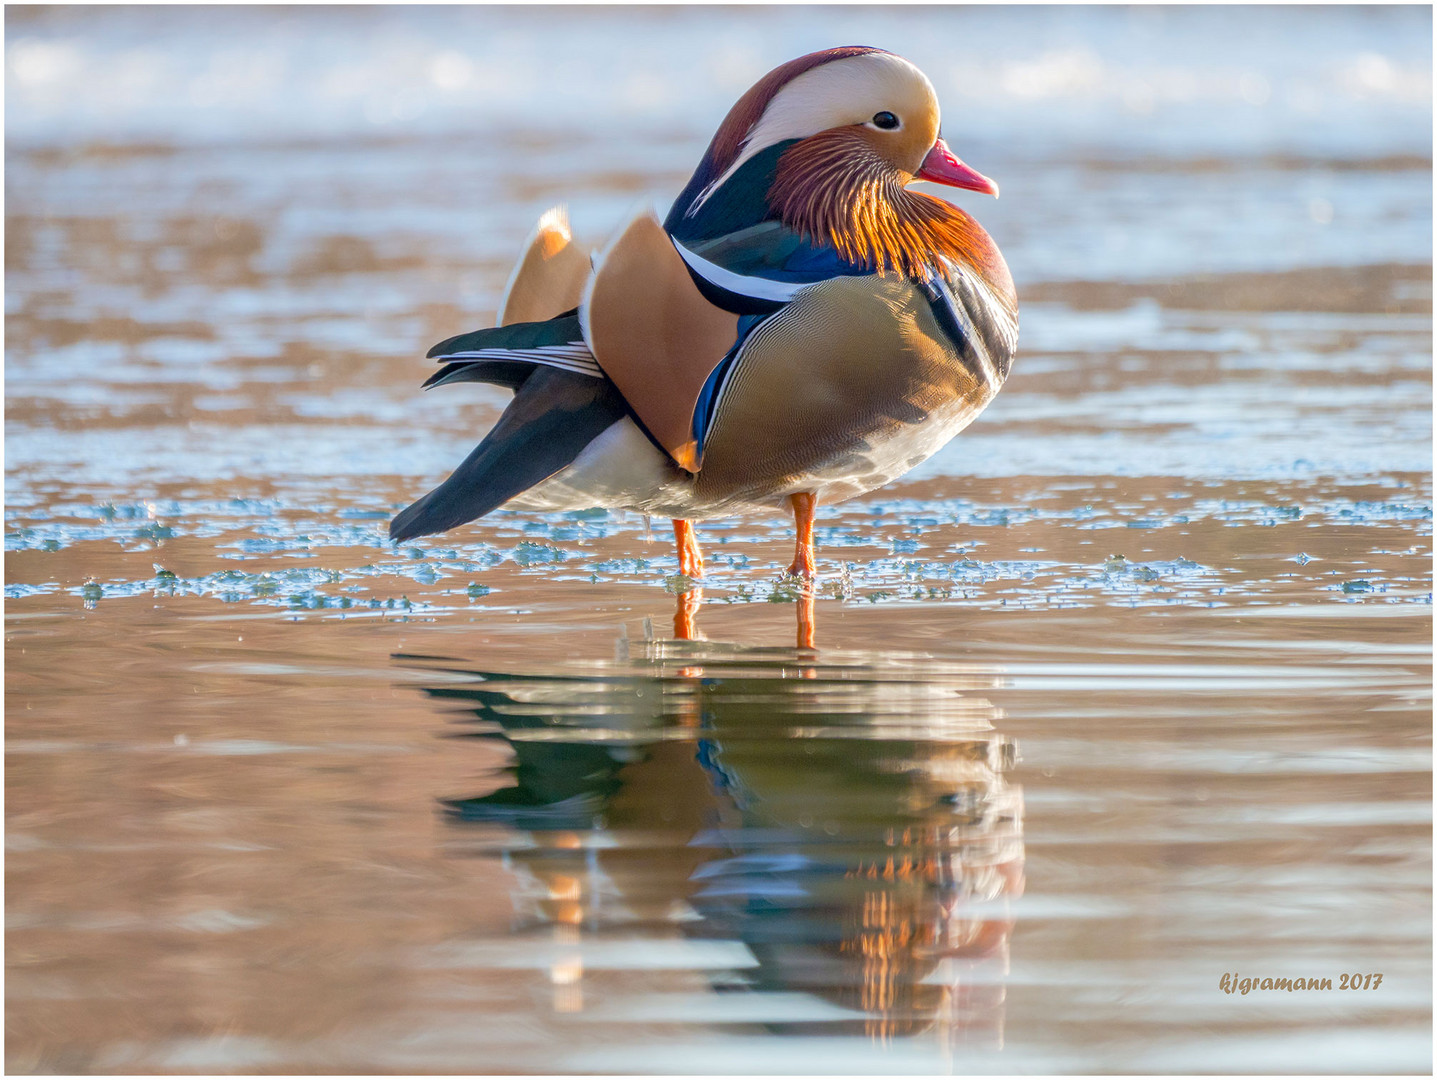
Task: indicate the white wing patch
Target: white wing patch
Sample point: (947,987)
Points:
(574,356)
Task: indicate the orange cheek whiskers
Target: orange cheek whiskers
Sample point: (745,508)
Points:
(835,190)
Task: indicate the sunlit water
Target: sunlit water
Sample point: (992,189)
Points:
(1127,688)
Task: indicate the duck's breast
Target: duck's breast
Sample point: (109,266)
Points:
(847,388)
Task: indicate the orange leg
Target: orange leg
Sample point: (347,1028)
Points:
(804,505)
(691,559)
(806,623)
(686,615)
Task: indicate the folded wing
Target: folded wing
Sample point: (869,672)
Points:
(562,401)
(654,334)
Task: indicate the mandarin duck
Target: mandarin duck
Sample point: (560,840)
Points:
(801,328)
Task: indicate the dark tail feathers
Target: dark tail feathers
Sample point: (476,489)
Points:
(553,416)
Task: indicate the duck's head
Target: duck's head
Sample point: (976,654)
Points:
(828,143)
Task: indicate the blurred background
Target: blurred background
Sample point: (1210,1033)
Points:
(282,796)
(340,185)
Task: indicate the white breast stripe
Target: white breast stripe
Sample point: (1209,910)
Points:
(975,340)
(1005,325)
(757,287)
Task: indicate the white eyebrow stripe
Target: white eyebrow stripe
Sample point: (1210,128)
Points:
(821,98)
(759,288)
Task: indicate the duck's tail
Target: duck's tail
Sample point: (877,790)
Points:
(505,355)
(562,402)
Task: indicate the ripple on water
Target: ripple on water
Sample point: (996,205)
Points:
(884,549)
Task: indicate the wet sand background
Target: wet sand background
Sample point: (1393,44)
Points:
(1138,669)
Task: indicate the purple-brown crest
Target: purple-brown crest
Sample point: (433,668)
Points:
(728,140)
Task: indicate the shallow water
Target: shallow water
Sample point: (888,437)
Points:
(1127,688)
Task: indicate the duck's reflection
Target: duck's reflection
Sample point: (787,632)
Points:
(688,603)
(829,832)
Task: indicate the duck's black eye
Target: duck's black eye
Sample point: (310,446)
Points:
(885,120)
